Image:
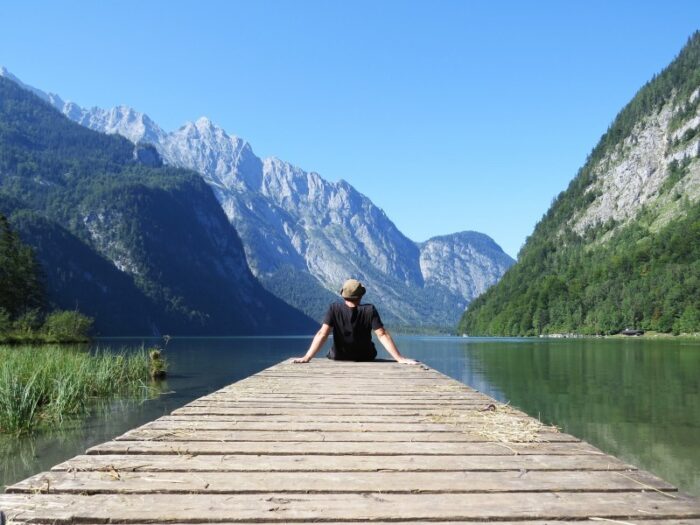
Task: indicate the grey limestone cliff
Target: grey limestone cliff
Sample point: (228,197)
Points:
(466,263)
(635,174)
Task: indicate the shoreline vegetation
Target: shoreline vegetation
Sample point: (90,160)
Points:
(33,327)
(435,330)
(49,385)
(645,335)
(26,315)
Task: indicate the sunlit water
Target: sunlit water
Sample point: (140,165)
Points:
(636,399)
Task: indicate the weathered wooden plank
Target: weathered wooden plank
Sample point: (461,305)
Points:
(344,390)
(293,424)
(305,418)
(351,400)
(365,398)
(341,371)
(333,425)
(256,416)
(590,521)
(345,410)
(321,463)
(347,387)
(422,384)
(360,393)
(385,385)
(321,377)
(336,482)
(116,508)
(281,394)
(377,367)
(339,387)
(272,409)
(374,370)
(353,368)
(192,434)
(338,447)
(345,402)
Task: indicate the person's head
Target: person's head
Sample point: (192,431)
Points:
(352,291)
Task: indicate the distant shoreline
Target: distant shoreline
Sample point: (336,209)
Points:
(647,335)
(39,340)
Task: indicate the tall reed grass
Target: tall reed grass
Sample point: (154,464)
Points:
(46,384)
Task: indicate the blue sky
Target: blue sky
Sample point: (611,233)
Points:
(450,115)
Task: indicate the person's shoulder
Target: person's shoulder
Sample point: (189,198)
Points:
(368,306)
(332,313)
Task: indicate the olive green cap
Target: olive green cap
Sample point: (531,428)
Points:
(352,289)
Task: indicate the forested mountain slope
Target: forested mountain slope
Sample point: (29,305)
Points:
(621,246)
(141,247)
(304,235)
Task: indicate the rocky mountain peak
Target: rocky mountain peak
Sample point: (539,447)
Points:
(121,120)
(225,161)
(304,235)
(204,122)
(445,260)
(51,98)
(206,128)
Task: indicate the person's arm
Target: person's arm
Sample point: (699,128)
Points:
(316,344)
(388,343)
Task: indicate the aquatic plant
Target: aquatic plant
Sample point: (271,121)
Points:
(42,386)
(158,363)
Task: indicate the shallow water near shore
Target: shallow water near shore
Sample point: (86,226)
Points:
(637,399)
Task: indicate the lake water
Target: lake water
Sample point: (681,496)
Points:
(637,399)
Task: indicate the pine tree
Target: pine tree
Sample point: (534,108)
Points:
(20,283)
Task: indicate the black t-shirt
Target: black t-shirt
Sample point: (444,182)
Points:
(352,330)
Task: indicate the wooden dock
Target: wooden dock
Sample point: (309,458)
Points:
(346,442)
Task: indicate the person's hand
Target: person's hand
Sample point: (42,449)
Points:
(301,360)
(407,361)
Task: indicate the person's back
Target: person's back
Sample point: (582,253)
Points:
(352,331)
(352,324)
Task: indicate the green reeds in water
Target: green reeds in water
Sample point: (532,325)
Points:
(41,386)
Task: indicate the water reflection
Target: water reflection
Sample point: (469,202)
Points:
(636,399)
(40,451)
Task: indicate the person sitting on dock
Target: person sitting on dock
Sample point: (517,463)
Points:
(352,324)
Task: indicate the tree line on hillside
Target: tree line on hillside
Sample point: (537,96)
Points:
(23,312)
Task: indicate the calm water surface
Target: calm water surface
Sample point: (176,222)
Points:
(636,399)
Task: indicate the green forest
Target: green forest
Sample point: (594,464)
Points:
(613,277)
(23,313)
